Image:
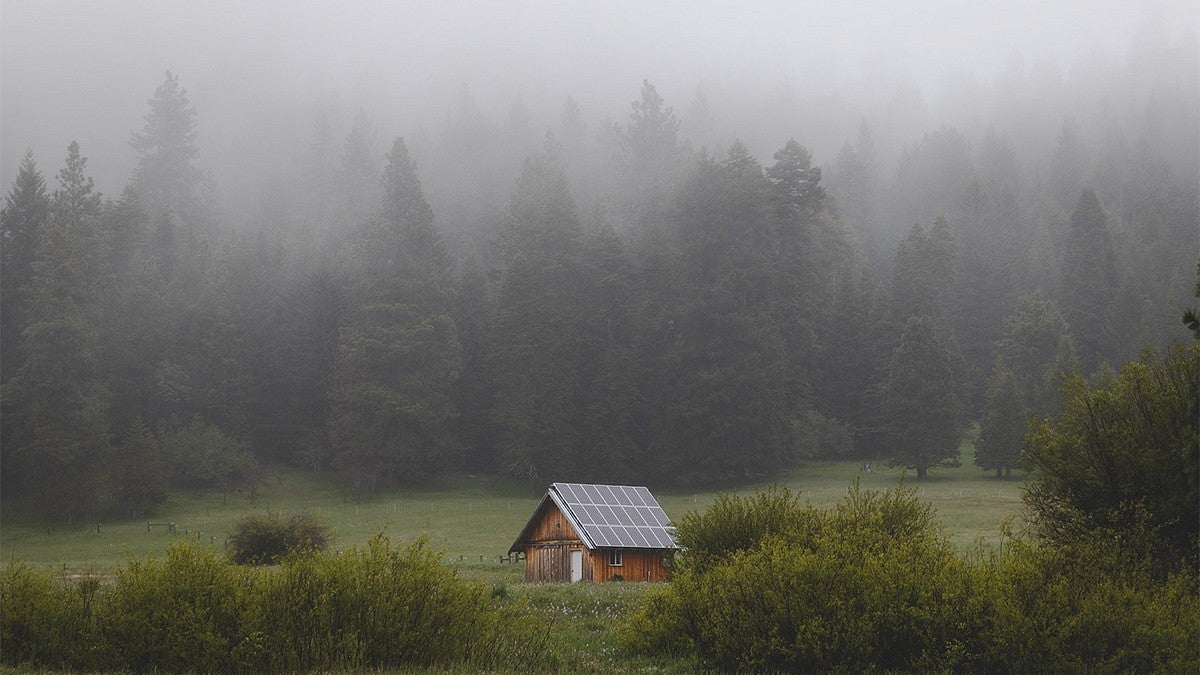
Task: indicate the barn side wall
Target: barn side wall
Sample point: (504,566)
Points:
(636,565)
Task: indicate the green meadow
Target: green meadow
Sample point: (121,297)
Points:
(473,520)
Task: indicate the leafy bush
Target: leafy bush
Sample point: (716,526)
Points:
(265,540)
(383,607)
(373,608)
(775,585)
(43,622)
(871,586)
(182,613)
(736,523)
(1124,458)
(1089,607)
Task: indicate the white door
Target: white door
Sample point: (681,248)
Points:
(576,566)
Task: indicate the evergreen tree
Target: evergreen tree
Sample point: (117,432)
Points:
(797,182)
(359,171)
(854,186)
(611,410)
(58,405)
(651,166)
(320,180)
(139,473)
(26,209)
(919,403)
(539,328)
(474,314)
(1088,282)
(399,354)
(651,135)
(933,177)
(720,386)
(166,177)
(923,273)
(1003,424)
(1037,348)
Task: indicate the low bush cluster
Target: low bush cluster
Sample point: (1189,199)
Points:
(265,540)
(374,607)
(871,586)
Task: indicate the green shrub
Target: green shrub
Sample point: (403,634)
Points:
(733,523)
(265,540)
(373,608)
(1089,607)
(871,586)
(182,613)
(867,586)
(44,622)
(383,607)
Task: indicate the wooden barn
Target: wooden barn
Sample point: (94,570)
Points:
(581,532)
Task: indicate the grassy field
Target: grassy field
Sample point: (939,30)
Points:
(473,520)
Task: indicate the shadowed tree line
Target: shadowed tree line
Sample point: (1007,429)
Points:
(640,310)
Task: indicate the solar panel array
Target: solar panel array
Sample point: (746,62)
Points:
(617,515)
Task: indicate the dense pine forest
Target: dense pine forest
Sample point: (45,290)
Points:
(568,295)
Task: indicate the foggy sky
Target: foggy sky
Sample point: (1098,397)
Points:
(259,71)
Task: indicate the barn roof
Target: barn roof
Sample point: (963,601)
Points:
(608,516)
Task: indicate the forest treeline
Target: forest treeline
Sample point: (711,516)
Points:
(641,309)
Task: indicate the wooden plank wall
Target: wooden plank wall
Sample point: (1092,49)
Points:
(636,565)
(552,562)
(552,525)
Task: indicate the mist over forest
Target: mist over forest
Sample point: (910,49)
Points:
(677,245)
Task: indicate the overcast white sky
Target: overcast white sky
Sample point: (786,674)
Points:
(83,70)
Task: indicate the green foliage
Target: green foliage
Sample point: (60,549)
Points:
(266,540)
(870,586)
(1088,606)
(200,455)
(385,607)
(733,523)
(1089,282)
(44,622)
(139,473)
(1124,458)
(182,613)
(374,608)
(920,407)
(1037,347)
(399,355)
(867,586)
(1003,424)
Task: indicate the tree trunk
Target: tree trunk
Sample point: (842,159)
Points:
(999,472)
(921,472)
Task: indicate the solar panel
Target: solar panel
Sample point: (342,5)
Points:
(617,515)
